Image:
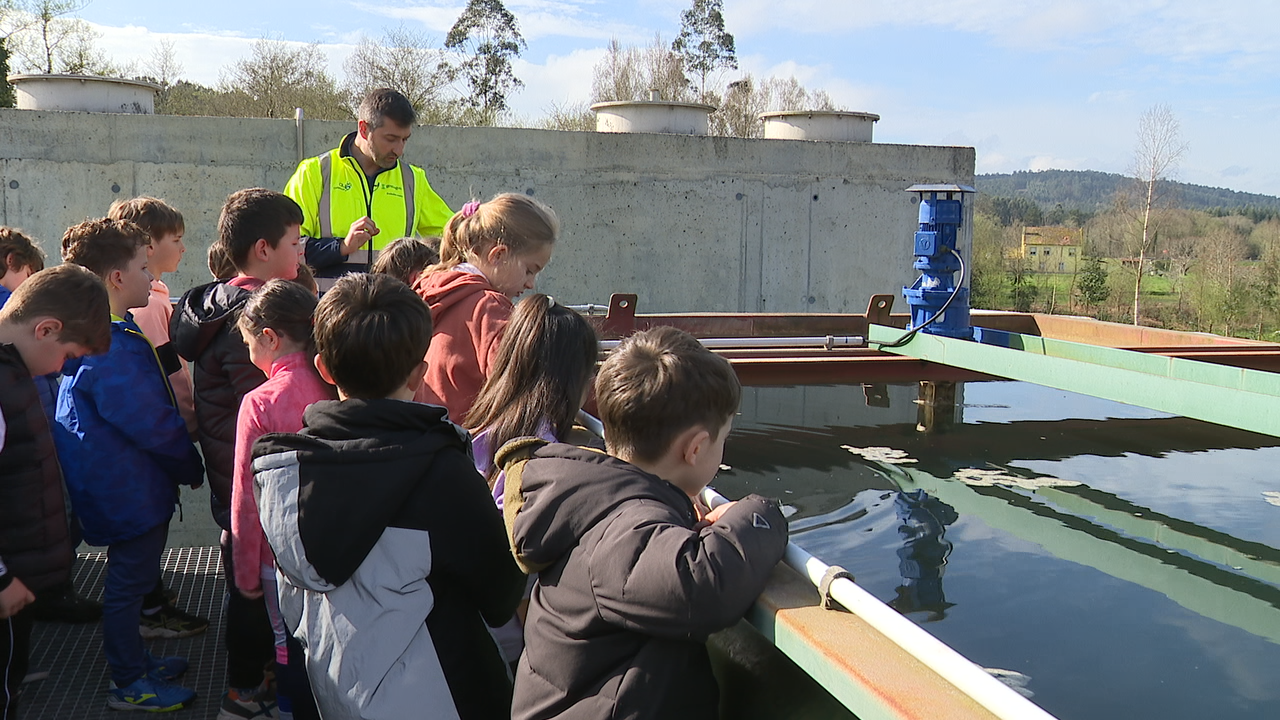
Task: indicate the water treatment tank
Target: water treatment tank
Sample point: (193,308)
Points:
(838,125)
(84,93)
(652,116)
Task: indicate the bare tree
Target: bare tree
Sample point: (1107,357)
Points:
(409,62)
(618,75)
(744,100)
(278,77)
(163,65)
(630,72)
(14,17)
(1221,286)
(569,116)
(1160,147)
(47,35)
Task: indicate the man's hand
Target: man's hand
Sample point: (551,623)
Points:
(14,598)
(360,233)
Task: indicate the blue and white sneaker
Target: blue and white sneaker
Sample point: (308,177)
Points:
(165,669)
(149,695)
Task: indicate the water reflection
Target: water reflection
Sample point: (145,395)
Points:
(1075,535)
(922,559)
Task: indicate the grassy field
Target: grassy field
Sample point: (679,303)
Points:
(1167,301)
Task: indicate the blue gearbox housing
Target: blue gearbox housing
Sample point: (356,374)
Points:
(938,305)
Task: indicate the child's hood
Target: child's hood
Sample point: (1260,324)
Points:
(556,493)
(447,288)
(202,313)
(327,495)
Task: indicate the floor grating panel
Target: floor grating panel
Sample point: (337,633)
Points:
(77,682)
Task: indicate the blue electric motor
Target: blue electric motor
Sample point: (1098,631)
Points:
(938,260)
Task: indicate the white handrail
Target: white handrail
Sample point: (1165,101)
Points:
(953,667)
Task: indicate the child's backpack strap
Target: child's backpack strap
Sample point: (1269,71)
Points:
(512,458)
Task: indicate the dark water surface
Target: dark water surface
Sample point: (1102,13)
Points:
(1123,560)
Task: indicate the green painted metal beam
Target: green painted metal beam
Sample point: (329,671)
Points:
(866,702)
(1240,398)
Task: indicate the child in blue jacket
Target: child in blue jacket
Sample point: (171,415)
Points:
(124,450)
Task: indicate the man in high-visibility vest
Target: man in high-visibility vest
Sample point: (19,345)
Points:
(360,197)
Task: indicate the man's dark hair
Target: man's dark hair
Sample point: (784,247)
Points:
(255,214)
(658,384)
(71,294)
(371,332)
(386,104)
(103,245)
(18,251)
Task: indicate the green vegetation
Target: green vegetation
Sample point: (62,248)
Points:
(1206,271)
(1090,192)
(6,90)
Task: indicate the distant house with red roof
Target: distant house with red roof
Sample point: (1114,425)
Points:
(1053,249)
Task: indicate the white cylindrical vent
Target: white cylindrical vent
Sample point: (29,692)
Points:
(652,117)
(837,125)
(84,93)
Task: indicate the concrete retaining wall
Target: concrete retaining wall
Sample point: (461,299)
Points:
(688,223)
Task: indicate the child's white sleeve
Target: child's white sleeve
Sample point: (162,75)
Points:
(3,431)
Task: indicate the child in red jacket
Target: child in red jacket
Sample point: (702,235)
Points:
(491,252)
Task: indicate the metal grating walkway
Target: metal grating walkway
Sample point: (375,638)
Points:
(77,682)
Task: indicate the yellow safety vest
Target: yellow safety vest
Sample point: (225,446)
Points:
(334,193)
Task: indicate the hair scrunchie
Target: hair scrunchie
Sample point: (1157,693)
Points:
(470,208)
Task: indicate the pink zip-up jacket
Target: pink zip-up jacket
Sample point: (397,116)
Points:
(274,406)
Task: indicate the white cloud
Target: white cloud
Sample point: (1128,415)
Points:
(562,80)
(437,18)
(204,56)
(1048,162)
(1242,31)
(1110,97)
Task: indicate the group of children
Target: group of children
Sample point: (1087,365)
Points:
(379,561)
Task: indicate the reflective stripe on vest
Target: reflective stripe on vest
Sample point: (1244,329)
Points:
(406,182)
(326,172)
(324,211)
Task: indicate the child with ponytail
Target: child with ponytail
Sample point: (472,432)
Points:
(276,325)
(539,381)
(490,253)
(540,378)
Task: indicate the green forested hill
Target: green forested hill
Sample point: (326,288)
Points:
(1092,191)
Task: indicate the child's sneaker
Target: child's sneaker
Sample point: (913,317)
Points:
(170,622)
(247,704)
(149,695)
(165,669)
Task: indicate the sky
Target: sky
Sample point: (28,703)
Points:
(1031,84)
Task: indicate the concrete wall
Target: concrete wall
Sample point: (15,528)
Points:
(688,223)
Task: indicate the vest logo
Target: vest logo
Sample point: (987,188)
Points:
(346,186)
(387,189)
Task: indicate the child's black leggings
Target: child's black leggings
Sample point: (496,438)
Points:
(250,642)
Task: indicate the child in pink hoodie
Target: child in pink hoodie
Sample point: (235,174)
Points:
(491,252)
(276,325)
